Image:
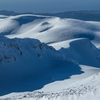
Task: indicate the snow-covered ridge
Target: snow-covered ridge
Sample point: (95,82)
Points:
(50,29)
(79,50)
(29,60)
(55,29)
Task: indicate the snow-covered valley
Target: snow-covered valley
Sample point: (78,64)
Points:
(49,58)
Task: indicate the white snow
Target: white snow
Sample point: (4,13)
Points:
(56,29)
(7,25)
(88,89)
(65,67)
(53,87)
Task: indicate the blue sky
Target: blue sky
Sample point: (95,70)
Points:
(41,6)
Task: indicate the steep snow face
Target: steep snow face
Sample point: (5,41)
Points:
(27,64)
(80,50)
(88,89)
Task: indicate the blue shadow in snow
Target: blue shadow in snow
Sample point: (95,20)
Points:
(33,74)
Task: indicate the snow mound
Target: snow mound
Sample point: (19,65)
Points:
(7,25)
(11,24)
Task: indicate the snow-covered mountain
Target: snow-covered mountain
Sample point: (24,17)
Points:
(54,57)
(24,63)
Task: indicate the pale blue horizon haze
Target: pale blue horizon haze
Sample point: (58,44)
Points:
(48,6)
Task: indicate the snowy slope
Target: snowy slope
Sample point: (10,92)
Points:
(81,50)
(54,29)
(24,63)
(70,53)
(88,89)
(13,23)
(49,29)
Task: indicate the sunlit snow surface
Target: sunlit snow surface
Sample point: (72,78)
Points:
(69,70)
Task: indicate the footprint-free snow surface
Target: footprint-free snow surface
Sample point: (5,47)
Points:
(49,58)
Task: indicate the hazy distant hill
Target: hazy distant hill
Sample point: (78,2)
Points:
(93,15)
(5,12)
(83,15)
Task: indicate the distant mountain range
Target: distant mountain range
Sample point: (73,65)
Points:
(93,15)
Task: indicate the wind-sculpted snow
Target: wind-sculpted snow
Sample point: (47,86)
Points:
(7,25)
(49,54)
(10,24)
(53,29)
(49,29)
